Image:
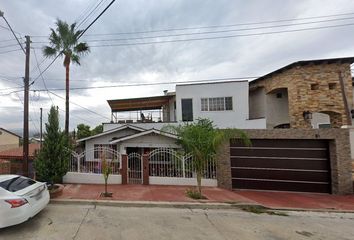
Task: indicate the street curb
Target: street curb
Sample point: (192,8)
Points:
(187,205)
(184,205)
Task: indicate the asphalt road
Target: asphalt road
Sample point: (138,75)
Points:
(89,222)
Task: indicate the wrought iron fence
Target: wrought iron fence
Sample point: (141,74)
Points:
(90,161)
(165,162)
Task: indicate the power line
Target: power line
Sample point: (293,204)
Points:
(223,37)
(152,84)
(219,26)
(82,15)
(88,15)
(34,124)
(77,38)
(10,40)
(104,10)
(18,41)
(89,110)
(40,72)
(15,50)
(11,45)
(209,32)
(213,32)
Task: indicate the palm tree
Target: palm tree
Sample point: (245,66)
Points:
(202,140)
(64,41)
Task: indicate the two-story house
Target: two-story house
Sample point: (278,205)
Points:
(137,122)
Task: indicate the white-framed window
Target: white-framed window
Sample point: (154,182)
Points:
(216,104)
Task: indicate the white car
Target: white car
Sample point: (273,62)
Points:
(20,199)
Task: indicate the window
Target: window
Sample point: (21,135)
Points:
(187,110)
(279,95)
(324,125)
(228,103)
(216,104)
(204,102)
(315,86)
(16,184)
(332,85)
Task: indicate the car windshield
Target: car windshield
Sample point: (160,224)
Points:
(16,184)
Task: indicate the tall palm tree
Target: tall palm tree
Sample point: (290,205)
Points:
(64,41)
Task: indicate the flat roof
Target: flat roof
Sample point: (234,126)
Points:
(143,103)
(307,62)
(204,83)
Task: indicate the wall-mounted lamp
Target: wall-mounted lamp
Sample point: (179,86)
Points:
(307,115)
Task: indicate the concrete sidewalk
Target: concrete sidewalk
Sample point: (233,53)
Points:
(177,196)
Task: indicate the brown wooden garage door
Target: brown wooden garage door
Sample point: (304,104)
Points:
(281,165)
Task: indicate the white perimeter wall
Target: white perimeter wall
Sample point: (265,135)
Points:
(90,178)
(182,181)
(236,118)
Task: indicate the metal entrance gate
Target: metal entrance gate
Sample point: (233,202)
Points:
(135,168)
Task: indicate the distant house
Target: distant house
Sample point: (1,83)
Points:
(15,157)
(8,140)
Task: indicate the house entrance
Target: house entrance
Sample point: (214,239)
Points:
(135,172)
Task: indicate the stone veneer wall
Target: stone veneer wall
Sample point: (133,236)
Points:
(298,80)
(339,147)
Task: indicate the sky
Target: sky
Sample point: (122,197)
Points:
(140,32)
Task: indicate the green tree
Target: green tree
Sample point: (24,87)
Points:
(83,131)
(202,140)
(98,129)
(52,162)
(64,41)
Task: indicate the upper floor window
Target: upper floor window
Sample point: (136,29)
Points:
(216,104)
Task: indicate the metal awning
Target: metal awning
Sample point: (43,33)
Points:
(134,104)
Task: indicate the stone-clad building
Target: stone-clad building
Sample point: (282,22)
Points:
(304,94)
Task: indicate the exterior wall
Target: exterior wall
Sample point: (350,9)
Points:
(5,167)
(146,126)
(302,98)
(319,118)
(90,178)
(257,103)
(8,141)
(181,181)
(151,141)
(89,144)
(277,110)
(236,118)
(339,148)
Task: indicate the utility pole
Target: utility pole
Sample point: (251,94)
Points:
(41,133)
(26,103)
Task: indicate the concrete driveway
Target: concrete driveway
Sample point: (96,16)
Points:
(103,222)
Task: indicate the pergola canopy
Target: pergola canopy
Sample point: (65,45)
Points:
(134,104)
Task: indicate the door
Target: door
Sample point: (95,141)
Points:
(187,110)
(135,168)
(282,165)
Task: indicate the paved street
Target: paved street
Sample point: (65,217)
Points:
(101,222)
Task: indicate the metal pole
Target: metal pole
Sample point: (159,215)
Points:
(25,113)
(41,133)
